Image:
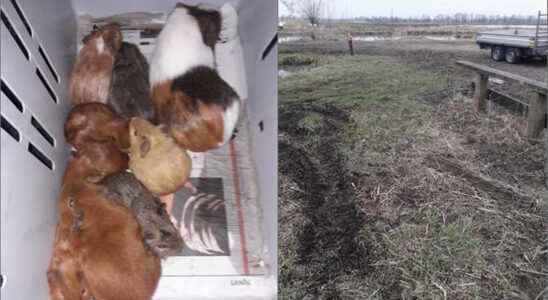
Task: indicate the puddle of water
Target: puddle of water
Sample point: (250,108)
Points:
(394,38)
(287,39)
(501,26)
(283,73)
(440,38)
(373,38)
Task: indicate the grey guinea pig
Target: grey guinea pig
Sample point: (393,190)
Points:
(158,233)
(129,93)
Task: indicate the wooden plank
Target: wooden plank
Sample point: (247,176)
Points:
(536,115)
(480,92)
(538,85)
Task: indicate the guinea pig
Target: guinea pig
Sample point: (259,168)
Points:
(129,92)
(95,122)
(198,107)
(97,160)
(158,232)
(110,251)
(92,71)
(94,161)
(98,244)
(155,159)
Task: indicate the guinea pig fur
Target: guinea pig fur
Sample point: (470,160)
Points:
(114,260)
(94,161)
(155,159)
(95,122)
(92,164)
(92,71)
(158,232)
(199,108)
(104,257)
(130,90)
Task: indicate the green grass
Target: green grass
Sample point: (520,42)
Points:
(297,60)
(358,80)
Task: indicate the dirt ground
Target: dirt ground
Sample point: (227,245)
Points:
(391,187)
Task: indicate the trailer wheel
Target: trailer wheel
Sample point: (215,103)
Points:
(512,56)
(497,53)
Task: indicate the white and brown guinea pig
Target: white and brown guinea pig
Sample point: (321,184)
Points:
(92,71)
(199,108)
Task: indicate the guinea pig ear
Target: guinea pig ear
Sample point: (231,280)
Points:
(144,148)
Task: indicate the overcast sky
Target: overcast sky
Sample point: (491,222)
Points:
(413,8)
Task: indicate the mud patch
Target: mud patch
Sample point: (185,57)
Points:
(328,244)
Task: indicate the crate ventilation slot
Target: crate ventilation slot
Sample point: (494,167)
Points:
(22,16)
(10,129)
(271,45)
(42,131)
(40,156)
(261,126)
(14,35)
(48,63)
(46,85)
(11,96)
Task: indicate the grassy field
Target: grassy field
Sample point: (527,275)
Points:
(392,188)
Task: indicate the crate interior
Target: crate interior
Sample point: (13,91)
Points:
(39,41)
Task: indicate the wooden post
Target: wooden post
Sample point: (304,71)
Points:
(350,44)
(536,115)
(480,92)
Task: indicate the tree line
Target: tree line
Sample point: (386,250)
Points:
(317,11)
(456,19)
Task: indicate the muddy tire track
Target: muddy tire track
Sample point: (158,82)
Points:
(329,245)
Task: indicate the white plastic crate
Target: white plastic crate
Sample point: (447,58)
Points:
(38,46)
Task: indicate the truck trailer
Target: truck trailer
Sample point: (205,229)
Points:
(515,45)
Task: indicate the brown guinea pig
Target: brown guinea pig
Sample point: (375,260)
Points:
(110,251)
(106,249)
(92,71)
(95,161)
(95,122)
(76,271)
(130,91)
(155,159)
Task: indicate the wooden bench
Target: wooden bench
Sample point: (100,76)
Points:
(537,105)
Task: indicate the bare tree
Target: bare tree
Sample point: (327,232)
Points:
(311,10)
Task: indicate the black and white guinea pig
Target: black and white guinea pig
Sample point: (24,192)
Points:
(199,108)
